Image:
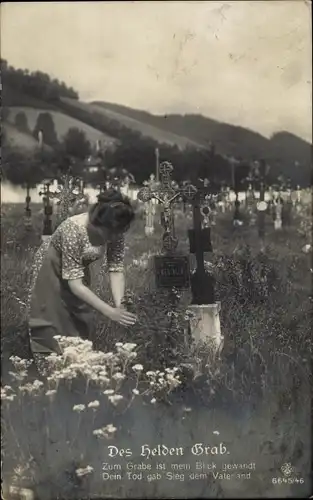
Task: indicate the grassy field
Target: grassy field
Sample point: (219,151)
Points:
(19,139)
(62,124)
(147,130)
(256,398)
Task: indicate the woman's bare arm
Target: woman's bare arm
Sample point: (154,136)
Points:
(86,295)
(117,282)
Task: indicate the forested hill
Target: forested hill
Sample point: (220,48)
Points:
(283,147)
(134,134)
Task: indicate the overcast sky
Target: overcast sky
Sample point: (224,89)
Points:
(246,63)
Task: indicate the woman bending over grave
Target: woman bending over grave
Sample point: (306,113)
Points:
(61,301)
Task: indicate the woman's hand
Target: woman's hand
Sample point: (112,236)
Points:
(122,316)
(118,314)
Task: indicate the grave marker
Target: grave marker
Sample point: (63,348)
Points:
(287,212)
(69,193)
(28,212)
(259,175)
(298,200)
(237,219)
(172,271)
(250,204)
(205,326)
(149,207)
(170,267)
(278,213)
(48,210)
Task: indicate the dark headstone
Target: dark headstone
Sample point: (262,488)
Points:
(205,240)
(172,271)
(202,287)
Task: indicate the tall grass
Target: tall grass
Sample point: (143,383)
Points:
(256,396)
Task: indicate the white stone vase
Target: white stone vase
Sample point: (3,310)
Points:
(205,326)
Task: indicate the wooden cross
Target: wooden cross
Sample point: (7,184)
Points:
(250,204)
(28,212)
(150,206)
(278,213)
(298,199)
(202,283)
(48,210)
(261,172)
(298,194)
(288,205)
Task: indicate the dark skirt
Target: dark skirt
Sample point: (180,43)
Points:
(54,309)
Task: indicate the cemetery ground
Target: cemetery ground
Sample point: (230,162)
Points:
(255,400)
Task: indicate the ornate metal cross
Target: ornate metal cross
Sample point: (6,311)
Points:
(165,194)
(69,193)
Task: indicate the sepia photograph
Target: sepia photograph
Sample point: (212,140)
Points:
(156,250)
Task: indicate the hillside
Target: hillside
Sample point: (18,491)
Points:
(138,132)
(283,147)
(62,123)
(113,119)
(103,120)
(19,140)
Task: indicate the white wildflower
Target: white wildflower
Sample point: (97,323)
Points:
(108,355)
(10,397)
(153,400)
(306,248)
(216,432)
(110,429)
(129,346)
(70,353)
(118,376)
(108,391)
(136,392)
(79,408)
(83,472)
(20,376)
(7,388)
(115,399)
(37,384)
(51,392)
(98,433)
(138,368)
(103,380)
(94,404)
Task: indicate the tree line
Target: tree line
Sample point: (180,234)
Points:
(50,159)
(132,151)
(36,84)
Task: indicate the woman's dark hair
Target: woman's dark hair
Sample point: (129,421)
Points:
(113,211)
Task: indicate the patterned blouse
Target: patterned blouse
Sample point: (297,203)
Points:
(71,240)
